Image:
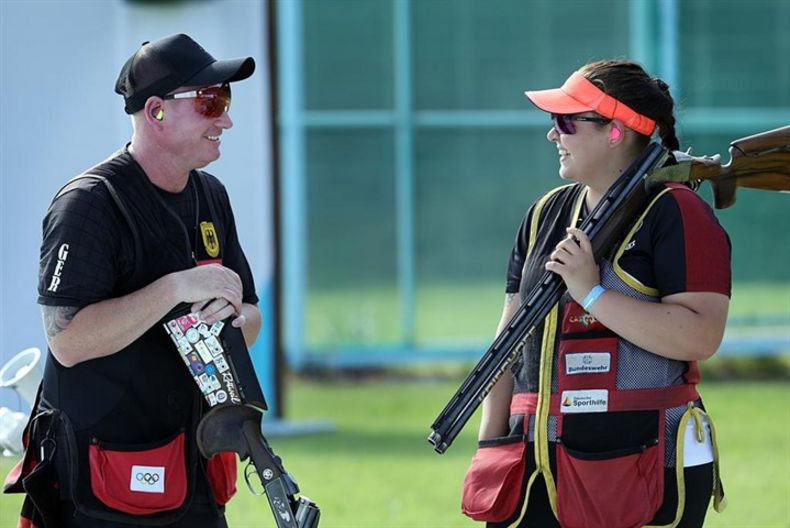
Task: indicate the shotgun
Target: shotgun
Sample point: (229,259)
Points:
(761,161)
(237,428)
(217,357)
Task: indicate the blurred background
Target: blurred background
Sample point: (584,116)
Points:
(381,159)
(409,153)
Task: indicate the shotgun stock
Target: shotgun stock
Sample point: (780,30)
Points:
(761,161)
(237,428)
(606,224)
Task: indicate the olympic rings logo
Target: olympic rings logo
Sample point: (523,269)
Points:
(148,478)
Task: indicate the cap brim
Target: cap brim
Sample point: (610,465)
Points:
(223,71)
(556,101)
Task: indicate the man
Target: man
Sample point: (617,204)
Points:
(123,245)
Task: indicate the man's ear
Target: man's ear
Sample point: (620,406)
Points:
(154,110)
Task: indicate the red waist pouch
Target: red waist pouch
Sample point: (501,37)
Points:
(616,489)
(139,480)
(494,483)
(221,471)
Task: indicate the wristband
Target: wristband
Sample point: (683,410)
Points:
(596,292)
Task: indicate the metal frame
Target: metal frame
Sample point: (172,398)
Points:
(654,43)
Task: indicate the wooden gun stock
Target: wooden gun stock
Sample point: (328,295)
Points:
(761,161)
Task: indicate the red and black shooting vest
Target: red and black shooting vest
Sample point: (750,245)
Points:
(596,416)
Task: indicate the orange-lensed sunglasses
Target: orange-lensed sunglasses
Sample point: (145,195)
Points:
(211,101)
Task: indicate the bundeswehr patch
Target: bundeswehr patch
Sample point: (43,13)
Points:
(588,363)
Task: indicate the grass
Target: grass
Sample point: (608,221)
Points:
(469,314)
(377,470)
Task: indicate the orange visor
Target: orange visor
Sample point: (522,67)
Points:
(578,95)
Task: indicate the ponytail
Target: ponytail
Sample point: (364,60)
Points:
(666,123)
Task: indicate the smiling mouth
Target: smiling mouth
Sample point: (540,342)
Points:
(212,138)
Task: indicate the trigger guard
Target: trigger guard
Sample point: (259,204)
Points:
(247,473)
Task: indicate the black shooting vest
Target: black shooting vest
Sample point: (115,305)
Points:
(143,394)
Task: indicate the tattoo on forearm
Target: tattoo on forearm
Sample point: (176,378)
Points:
(57,318)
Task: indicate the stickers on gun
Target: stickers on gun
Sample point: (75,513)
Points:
(201,348)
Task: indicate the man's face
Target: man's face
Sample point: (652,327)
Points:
(192,137)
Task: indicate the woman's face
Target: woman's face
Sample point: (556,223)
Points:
(582,153)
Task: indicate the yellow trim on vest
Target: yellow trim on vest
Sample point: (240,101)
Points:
(544,404)
(577,208)
(526,498)
(624,276)
(546,362)
(535,220)
(542,418)
(719,502)
(544,383)
(681,481)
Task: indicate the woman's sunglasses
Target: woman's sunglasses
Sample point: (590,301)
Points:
(563,123)
(212,101)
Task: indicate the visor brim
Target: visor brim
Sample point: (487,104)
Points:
(556,101)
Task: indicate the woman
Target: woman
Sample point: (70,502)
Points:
(600,424)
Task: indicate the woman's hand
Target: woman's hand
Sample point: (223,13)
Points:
(573,260)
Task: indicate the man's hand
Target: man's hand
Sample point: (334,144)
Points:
(217,310)
(249,320)
(214,290)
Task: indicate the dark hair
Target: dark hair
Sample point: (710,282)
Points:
(629,83)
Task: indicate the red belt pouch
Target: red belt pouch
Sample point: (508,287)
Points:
(139,480)
(221,471)
(494,483)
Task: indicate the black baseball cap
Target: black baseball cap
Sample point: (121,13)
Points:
(160,67)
